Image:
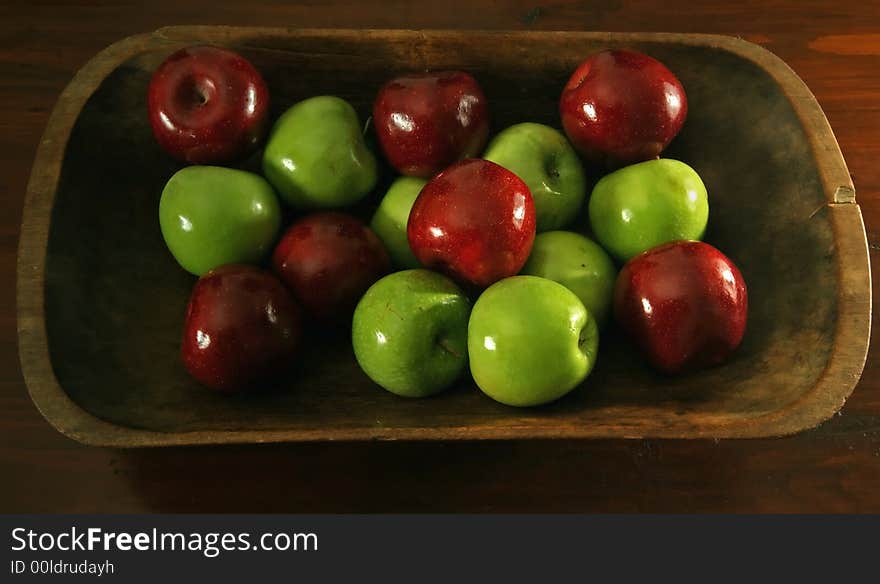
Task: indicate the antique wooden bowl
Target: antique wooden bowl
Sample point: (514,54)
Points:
(101,300)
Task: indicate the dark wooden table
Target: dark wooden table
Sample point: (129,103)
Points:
(834,46)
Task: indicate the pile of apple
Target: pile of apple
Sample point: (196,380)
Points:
(490,280)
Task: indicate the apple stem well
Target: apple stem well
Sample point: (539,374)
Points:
(195,91)
(448,347)
(551,167)
(585,336)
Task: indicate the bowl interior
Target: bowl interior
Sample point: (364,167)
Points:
(115,297)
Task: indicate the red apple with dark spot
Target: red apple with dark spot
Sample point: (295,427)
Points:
(684,303)
(620,107)
(475,221)
(208,105)
(328,260)
(427,121)
(242,328)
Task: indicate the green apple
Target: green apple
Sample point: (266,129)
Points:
(389,221)
(579,264)
(210,216)
(546,162)
(409,332)
(530,341)
(644,205)
(316,156)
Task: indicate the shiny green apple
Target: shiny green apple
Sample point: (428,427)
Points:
(579,264)
(530,341)
(316,156)
(547,163)
(210,216)
(409,332)
(389,221)
(644,205)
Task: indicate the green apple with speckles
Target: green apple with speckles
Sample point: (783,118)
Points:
(578,263)
(547,163)
(316,156)
(210,216)
(530,341)
(647,204)
(389,221)
(409,332)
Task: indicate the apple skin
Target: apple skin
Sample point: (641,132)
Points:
(210,216)
(579,264)
(621,107)
(644,205)
(390,219)
(208,105)
(242,328)
(475,221)
(316,156)
(546,162)
(684,303)
(427,121)
(409,332)
(328,260)
(530,341)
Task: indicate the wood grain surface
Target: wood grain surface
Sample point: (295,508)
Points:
(833,46)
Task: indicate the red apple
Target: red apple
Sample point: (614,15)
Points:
(621,107)
(242,327)
(427,121)
(208,105)
(474,221)
(328,260)
(685,303)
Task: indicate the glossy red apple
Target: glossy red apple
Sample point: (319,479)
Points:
(328,260)
(242,327)
(621,107)
(427,121)
(208,105)
(475,221)
(684,303)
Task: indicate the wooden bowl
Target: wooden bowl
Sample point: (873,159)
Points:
(101,300)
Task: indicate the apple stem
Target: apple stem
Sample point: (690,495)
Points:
(367,125)
(448,348)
